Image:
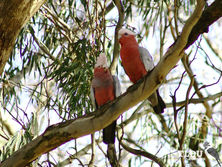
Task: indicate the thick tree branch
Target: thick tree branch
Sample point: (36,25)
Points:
(14,15)
(209,16)
(63,132)
(175,52)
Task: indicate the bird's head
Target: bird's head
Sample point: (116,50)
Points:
(125,35)
(206,144)
(101,61)
(101,67)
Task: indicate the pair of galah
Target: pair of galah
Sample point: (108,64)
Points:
(137,62)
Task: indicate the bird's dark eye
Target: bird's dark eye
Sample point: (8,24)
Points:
(125,33)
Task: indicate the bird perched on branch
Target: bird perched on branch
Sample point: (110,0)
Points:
(137,62)
(105,88)
(212,151)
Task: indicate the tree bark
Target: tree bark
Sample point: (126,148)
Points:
(14,14)
(209,16)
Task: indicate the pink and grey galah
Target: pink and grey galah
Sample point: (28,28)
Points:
(137,62)
(104,88)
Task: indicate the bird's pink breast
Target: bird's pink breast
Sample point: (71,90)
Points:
(103,86)
(104,95)
(132,63)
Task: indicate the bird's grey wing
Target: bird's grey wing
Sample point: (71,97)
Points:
(117,86)
(146,59)
(92,97)
(213,152)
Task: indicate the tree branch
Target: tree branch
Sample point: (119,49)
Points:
(182,139)
(143,153)
(14,15)
(195,85)
(209,16)
(197,100)
(113,65)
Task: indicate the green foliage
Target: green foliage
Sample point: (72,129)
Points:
(73,76)
(15,143)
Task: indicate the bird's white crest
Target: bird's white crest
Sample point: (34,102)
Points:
(123,31)
(101,61)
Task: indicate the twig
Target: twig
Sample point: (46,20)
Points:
(185,120)
(60,23)
(44,48)
(93,150)
(6,138)
(215,50)
(163,123)
(103,14)
(175,110)
(196,100)
(210,63)
(121,137)
(135,116)
(170,18)
(176,16)
(5,125)
(64,25)
(107,9)
(9,112)
(144,154)
(76,155)
(203,129)
(186,113)
(113,65)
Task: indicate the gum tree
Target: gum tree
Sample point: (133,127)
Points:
(47,57)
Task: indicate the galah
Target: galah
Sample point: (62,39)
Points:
(104,88)
(137,62)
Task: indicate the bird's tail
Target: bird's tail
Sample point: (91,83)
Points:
(109,139)
(157,102)
(109,133)
(218,161)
